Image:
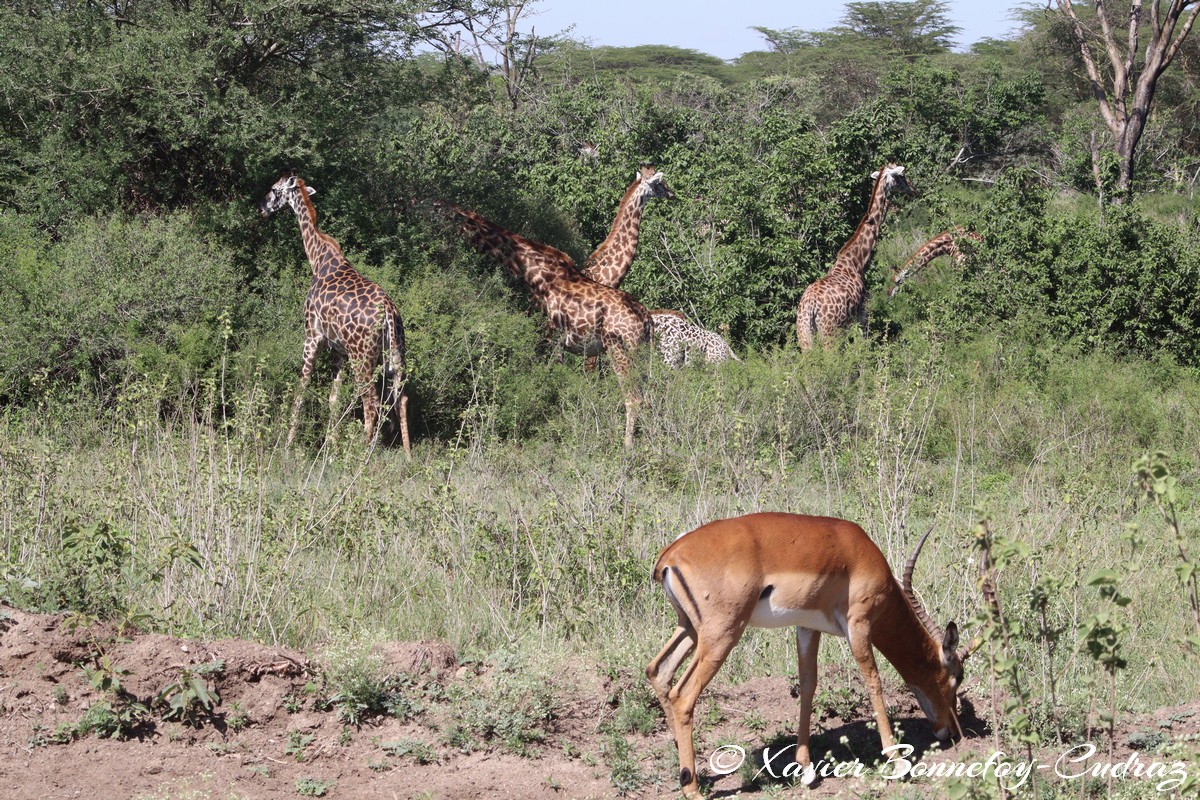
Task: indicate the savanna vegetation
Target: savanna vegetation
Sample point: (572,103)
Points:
(151,329)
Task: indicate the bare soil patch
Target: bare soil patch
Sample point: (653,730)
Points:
(268,738)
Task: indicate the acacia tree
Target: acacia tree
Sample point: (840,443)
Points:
(1124,89)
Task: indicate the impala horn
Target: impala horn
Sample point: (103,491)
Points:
(922,614)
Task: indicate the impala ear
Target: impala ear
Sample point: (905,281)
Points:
(311,191)
(950,638)
(875,175)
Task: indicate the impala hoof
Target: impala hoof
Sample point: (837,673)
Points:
(809,776)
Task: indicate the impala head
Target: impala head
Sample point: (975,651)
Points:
(894,180)
(653,184)
(284,192)
(939,696)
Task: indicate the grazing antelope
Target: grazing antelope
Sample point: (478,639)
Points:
(820,574)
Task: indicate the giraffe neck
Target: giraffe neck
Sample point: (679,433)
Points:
(945,243)
(537,264)
(855,255)
(322,251)
(936,247)
(612,259)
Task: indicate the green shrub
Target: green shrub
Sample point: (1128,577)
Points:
(118,297)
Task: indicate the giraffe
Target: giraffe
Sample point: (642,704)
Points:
(830,302)
(593,318)
(611,260)
(944,244)
(346,312)
(678,338)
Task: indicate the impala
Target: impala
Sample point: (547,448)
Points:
(820,574)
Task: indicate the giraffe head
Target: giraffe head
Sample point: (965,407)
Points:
(894,180)
(284,192)
(653,185)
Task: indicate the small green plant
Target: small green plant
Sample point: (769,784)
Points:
(344,737)
(754,722)
(636,712)
(623,769)
(515,710)
(189,697)
(418,751)
(297,743)
(60,695)
(313,787)
(120,713)
(237,718)
(292,704)
(359,687)
(1156,482)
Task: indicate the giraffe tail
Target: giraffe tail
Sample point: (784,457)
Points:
(394,373)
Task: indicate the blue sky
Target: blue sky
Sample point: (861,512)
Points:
(722,27)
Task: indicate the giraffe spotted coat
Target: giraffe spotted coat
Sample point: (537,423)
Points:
(593,318)
(346,312)
(832,302)
(944,244)
(678,338)
(610,262)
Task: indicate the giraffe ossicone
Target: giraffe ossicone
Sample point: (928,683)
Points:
(345,312)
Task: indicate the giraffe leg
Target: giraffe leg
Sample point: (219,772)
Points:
(334,391)
(312,345)
(623,366)
(805,324)
(364,378)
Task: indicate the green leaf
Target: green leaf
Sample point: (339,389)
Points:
(1104,577)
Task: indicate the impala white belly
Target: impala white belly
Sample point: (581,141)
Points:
(768,615)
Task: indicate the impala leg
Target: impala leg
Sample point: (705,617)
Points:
(312,345)
(704,665)
(662,669)
(807,644)
(860,646)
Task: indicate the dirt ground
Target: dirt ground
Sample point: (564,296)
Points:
(247,747)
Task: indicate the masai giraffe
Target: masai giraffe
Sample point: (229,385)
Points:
(593,318)
(829,303)
(944,244)
(678,338)
(346,312)
(611,260)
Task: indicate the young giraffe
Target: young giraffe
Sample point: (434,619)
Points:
(944,244)
(678,338)
(608,263)
(829,303)
(346,312)
(593,318)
